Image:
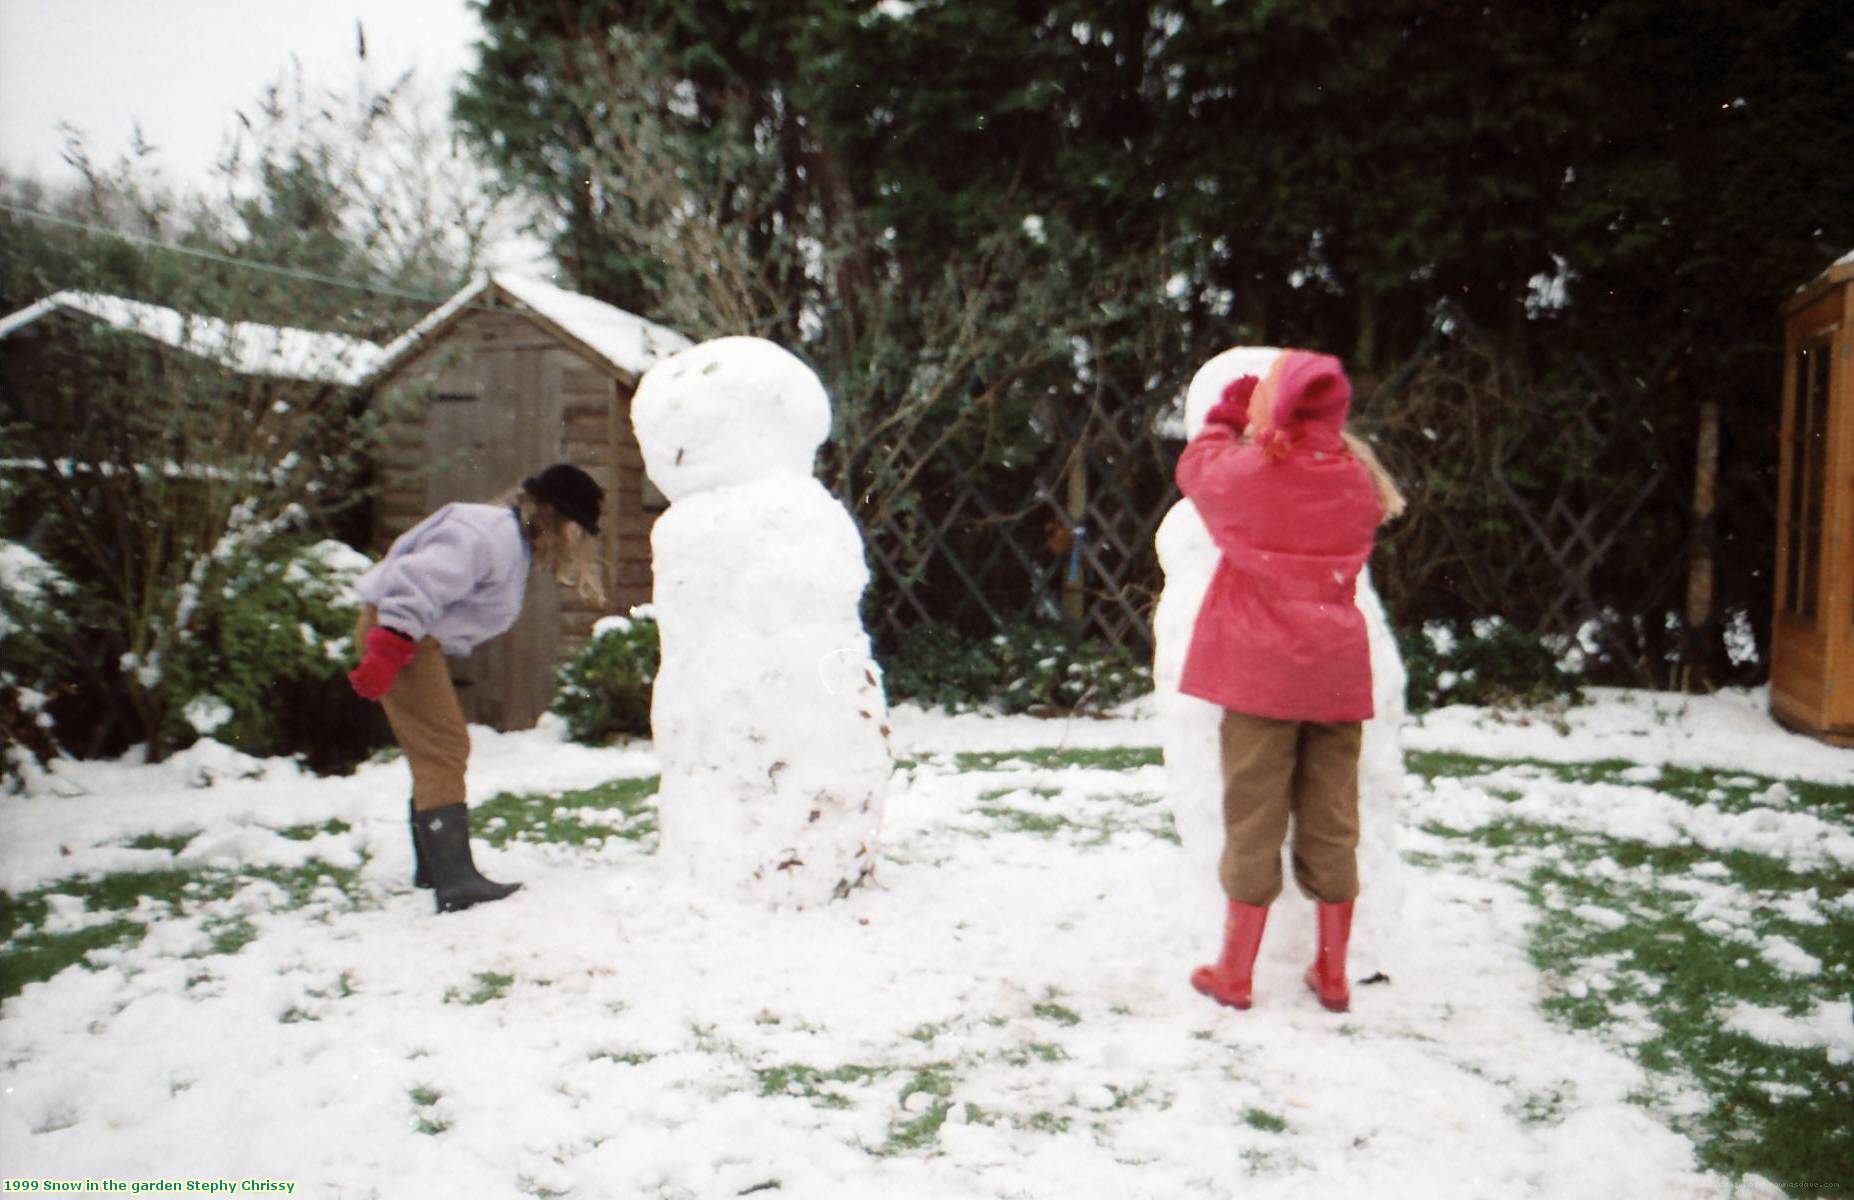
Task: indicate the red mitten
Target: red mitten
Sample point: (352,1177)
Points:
(1232,408)
(387,651)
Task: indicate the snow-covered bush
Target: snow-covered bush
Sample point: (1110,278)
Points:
(1025,668)
(604,690)
(1488,662)
(35,631)
(265,671)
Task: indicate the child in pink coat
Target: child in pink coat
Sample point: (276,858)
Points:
(1280,644)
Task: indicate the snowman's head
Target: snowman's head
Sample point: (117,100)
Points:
(728,411)
(1211,378)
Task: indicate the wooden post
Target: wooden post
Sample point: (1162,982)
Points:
(1073,601)
(1699,569)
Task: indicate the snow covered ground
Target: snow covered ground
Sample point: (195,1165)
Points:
(1005,1015)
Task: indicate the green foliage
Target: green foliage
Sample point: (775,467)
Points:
(1027,668)
(35,662)
(604,691)
(1484,662)
(262,669)
(266,671)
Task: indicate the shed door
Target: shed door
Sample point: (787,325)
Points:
(1800,589)
(484,442)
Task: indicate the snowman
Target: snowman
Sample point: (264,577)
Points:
(768,713)
(1193,767)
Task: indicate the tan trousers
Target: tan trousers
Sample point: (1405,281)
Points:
(427,721)
(1273,769)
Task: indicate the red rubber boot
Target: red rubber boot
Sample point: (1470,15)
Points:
(1326,977)
(1230,981)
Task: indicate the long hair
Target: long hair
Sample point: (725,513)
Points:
(559,544)
(1389,494)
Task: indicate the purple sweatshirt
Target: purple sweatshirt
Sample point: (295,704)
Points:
(457,576)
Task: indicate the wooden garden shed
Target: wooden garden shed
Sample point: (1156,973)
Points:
(58,354)
(509,375)
(1812,627)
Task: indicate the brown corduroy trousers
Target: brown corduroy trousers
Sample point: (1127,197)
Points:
(427,722)
(1275,769)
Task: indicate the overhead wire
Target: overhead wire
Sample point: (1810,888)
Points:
(272,268)
(214,256)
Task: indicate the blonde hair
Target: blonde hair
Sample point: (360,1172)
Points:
(1389,494)
(559,544)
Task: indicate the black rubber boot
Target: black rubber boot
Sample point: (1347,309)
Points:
(444,836)
(421,874)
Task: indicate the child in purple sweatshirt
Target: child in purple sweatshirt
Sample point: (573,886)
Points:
(451,582)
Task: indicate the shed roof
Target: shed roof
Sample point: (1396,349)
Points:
(627,342)
(1837,273)
(244,346)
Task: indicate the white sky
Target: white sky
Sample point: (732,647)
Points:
(181,68)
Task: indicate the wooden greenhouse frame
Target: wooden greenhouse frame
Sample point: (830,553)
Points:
(1812,625)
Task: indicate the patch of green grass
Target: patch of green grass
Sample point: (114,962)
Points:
(1741,791)
(1030,1052)
(425,1120)
(628,1058)
(311,881)
(123,892)
(30,954)
(527,1185)
(38,957)
(1095,821)
(1113,758)
(1046,1122)
(231,935)
(1542,1107)
(817,1086)
(490,985)
(917,1131)
(173,843)
(621,809)
(305,833)
(1728,791)
(1660,980)
(1049,1010)
(1017,820)
(1265,1121)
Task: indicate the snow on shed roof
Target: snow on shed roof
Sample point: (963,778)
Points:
(244,346)
(628,342)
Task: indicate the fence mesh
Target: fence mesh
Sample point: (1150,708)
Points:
(1566,509)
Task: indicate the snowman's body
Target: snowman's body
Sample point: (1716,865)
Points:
(1190,741)
(768,714)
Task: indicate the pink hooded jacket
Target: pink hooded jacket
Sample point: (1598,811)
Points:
(1294,514)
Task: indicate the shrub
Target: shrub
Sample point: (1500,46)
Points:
(604,690)
(1025,668)
(1486,661)
(34,665)
(263,668)
(266,672)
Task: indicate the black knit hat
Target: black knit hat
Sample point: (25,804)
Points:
(571,491)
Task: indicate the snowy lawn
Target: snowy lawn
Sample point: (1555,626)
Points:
(1626,972)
